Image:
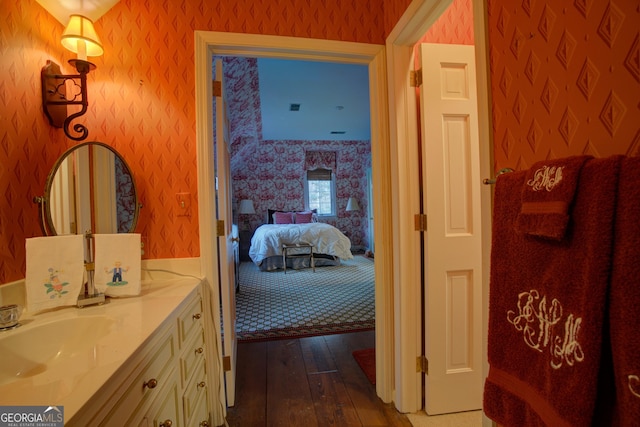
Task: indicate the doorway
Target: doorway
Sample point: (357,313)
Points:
(414,23)
(209,44)
(272,145)
(393,119)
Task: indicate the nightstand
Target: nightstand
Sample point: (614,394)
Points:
(245,243)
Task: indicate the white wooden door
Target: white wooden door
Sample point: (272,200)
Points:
(453,255)
(225,236)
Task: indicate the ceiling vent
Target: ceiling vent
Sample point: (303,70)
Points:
(294,107)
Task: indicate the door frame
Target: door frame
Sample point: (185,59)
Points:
(419,16)
(210,43)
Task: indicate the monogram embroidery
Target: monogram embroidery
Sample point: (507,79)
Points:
(540,322)
(634,385)
(546,178)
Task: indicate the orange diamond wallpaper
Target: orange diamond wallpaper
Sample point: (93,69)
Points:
(565,79)
(141,101)
(455,26)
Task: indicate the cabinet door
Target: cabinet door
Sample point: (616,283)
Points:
(201,416)
(140,392)
(165,412)
(194,392)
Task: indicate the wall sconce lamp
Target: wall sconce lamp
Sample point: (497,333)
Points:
(246,208)
(352,205)
(81,38)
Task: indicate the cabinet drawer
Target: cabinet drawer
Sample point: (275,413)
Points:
(190,319)
(194,392)
(192,353)
(201,414)
(163,411)
(152,379)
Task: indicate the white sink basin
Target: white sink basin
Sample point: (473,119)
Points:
(51,346)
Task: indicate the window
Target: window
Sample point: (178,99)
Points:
(320,192)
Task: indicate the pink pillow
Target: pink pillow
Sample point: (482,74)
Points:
(304,217)
(283,218)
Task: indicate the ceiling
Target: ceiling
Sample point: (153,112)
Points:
(333,100)
(92,9)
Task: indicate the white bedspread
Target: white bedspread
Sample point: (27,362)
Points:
(326,239)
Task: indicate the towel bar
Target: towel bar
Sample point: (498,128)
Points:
(488,181)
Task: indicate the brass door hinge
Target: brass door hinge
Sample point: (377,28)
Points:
(220,228)
(226,363)
(422,365)
(420,221)
(415,78)
(217,88)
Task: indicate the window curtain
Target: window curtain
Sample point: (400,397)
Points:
(320,160)
(319,175)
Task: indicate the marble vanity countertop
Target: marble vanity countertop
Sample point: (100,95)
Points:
(122,326)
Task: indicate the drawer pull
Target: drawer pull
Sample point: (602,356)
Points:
(199,350)
(204,424)
(196,316)
(166,423)
(152,383)
(201,384)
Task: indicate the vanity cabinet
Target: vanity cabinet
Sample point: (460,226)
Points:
(164,383)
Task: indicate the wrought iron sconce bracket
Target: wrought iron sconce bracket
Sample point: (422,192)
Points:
(55,99)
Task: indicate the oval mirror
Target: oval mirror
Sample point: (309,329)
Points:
(90,189)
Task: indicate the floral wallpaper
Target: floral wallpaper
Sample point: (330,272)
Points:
(274,179)
(272,173)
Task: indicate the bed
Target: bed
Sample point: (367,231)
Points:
(329,245)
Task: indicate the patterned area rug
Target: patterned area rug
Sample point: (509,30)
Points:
(336,299)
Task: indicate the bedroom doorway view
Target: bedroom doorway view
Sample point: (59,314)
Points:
(300,162)
(221,44)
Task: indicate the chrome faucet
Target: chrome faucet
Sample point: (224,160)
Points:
(90,296)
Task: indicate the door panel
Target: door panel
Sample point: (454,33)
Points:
(226,252)
(453,255)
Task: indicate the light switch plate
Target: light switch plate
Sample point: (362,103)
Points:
(184,204)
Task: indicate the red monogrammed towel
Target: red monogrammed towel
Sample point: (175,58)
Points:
(547,194)
(546,305)
(624,300)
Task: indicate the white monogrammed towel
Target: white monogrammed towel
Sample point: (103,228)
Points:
(117,263)
(55,269)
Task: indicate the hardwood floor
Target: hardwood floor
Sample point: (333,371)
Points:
(308,382)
